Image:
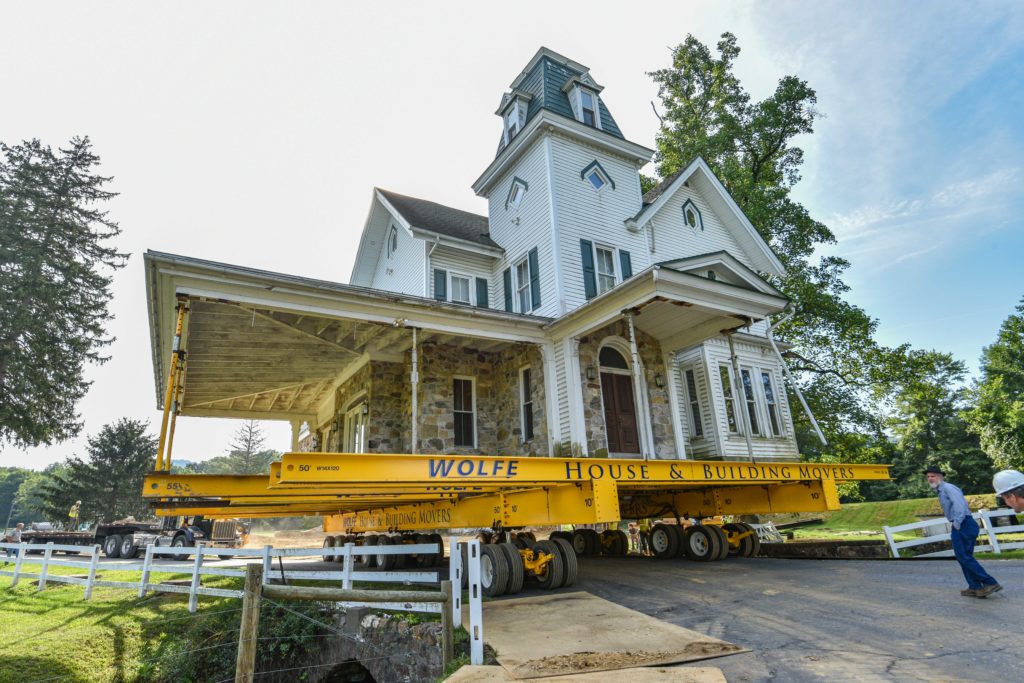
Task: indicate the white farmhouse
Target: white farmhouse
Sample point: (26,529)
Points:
(579,316)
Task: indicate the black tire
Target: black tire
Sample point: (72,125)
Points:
(180,542)
(569,561)
(402,560)
(423,560)
(528,535)
(128,548)
(749,546)
(339,542)
(702,545)
(366,561)
(680,533)
(385,562)
(554,570)
(516,572)
(438,558)
(664,541)
(623,543)
(609,541)
(723,541)
(494,570)
(564,535)
(594,539)
(579,543)
(520,542)
(112,546)
(329,543)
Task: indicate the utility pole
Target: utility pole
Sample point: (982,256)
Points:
(248,632)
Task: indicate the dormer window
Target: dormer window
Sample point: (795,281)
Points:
(588,108)
(511,124)
(691,215)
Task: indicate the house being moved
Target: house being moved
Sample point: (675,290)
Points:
(580,316)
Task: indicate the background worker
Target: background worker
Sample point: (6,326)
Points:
(13,537)
(73,515)
(963,535)
(1009,485)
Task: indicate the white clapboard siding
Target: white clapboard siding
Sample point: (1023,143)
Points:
(453,260)
(562,391)
(403,271)
(585,213)
(519,229)
(674,239)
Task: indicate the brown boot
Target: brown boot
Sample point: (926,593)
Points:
(972,593)
(988,590)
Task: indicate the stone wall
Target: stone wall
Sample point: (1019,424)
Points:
(658,397)
(508,438)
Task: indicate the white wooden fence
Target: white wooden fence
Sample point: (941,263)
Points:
(941,525)
(88,558)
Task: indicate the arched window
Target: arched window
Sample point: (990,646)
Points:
(610,358)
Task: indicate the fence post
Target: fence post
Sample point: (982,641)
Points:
(193,596)
(93,561)
(986,522)
(17,563)
(266,563)
(447,630)
(146,565)
(248,631)
(455,570)
(891,542)
(46,565)
(476,606)
(346,581)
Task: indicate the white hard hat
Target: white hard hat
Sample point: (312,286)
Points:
(1007,480)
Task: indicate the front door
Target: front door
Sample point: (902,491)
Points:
(619,412)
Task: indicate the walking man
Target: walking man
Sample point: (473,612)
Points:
(963,535)
(1009,484)
(73,516)
(13,537)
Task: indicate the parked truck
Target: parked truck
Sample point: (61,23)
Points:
(126,538)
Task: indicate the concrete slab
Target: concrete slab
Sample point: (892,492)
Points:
(571,633)
(659,674)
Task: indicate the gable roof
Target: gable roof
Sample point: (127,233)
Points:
(543,81)
(723,203)
(727,262)
(443,220)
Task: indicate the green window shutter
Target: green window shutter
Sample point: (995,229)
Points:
(626,263)
(481,292)
(440,284)
(534,279)
(589,277)
(508,290)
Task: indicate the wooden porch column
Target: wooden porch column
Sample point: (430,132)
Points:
(296,428)
(415,380)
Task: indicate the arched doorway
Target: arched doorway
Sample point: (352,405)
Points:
(620,417)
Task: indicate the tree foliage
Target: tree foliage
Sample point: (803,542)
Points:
(246,454)
(54,286)
(998,413)
(752,148)
(109,482)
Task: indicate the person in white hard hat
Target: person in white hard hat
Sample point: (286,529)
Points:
(1009,484)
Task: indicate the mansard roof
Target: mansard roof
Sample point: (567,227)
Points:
(544,79)
(443,220)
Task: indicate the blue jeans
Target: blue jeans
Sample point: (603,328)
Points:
(963,547)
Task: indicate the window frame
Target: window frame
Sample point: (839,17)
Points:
(512,123)
(777,425)
(615,275)
(603,178)
(521,287)
(516,194)
(694,407)
(392,241)
(753,407)
(578,101)
(470,288)
(472,412)
(729,398)
(526,432)
(688,205)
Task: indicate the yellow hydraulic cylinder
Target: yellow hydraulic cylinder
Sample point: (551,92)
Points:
(169,398)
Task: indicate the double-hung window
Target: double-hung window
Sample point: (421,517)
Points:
(523,294)
(751,401)
(771,403)
(464,409)
(526,402)
(730,398)
(605,262)
(588,108)
(461,289)
(511,123)
(696,425)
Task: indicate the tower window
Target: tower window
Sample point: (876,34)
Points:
(595,179)
(588,107)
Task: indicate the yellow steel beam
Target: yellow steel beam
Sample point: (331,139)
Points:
(298,468)
(172,384)
(164,485)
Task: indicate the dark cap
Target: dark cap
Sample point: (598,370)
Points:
(933,470)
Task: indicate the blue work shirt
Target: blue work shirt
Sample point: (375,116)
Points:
(954,505)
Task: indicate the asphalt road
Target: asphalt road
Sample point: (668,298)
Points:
(822,620)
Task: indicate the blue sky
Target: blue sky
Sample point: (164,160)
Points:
(254,132)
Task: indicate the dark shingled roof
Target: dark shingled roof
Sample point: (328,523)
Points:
(443,220)
(656,192)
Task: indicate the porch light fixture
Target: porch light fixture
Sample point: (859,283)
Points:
(659,381)
(591,373)
(366,407)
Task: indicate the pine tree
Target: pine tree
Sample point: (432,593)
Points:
(54,286)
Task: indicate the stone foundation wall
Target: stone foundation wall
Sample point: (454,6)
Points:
(507,406)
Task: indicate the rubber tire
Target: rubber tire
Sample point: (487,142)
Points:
(528,535)
(112,546)
(438,557)
(609,543)
(494,570)
(623,542)
(132,549)
(594,539)
(339,542)
(180,542)
(749,546)
(385,562)
(516,571)
(701,544)
(664,541)
(423,560)
(680,532)
(366,561)
(401,561)
(564,535)
(329,543)
(569,561)
(723,541)
(520,542)
(555,574)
